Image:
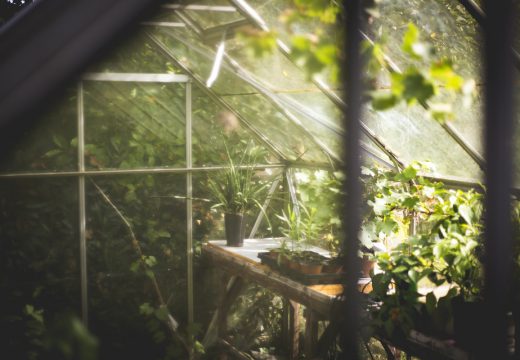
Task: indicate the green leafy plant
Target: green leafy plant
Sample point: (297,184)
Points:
(237,189)
(421,82)
(447,251)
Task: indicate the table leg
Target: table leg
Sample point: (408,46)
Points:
(311,333)
(218,325)
(294,329)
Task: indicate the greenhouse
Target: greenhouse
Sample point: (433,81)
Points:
(259,179)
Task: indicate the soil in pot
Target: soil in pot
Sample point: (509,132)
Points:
(332,266)
(310,262)
(235,229)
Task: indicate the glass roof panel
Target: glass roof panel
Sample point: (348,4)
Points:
(243,97)
(296,144)
(444,23)
(128,124)
(212,125)
(409,132)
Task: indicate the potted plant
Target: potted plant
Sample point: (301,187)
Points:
(236,190)
(299,229)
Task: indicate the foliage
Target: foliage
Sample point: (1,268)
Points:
(255,319)
(422,82)
(448,249)
(236,189)
(320,191)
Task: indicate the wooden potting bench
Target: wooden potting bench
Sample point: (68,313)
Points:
(241,264)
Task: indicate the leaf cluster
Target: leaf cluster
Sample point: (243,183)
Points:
(237,189)
(423,80)
(448,249)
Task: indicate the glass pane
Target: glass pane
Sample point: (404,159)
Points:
(212,13)
(213,126)
(39,260)
(50,144)
(256,109)
(130,125)
(121,290)
(276,126)
(134,54)
(371,154)
(409,132)
(189,51)
(446,24)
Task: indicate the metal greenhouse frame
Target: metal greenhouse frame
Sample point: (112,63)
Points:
(358,138)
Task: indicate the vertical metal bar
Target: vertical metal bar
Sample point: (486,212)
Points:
(82,205)
(258,221)
(499,116)
(189,204)
(292,191)
(351,79)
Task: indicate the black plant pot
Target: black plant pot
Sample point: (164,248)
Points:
(235,229)
(468,322)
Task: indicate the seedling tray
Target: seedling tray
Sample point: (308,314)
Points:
(307,279)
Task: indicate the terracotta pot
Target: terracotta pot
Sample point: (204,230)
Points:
(332,266)
(292,264)
(310,268)
(235,229)
(367,266)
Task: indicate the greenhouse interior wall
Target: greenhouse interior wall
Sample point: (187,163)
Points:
(117,171)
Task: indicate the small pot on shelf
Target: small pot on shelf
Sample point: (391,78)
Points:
(235,229)
(367,266)
(332,266)
(310,268)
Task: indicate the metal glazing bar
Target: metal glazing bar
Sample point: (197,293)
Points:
(352,68)
(82,205)
(189,204)
(194,7)
(211,94)
(136,77)
(247,11)
(215,33)
(499,110)
(160,170)
(470,150)
(162,23)
(297,108)
(371,153)
(190,22)
(289,175)
(266,203)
